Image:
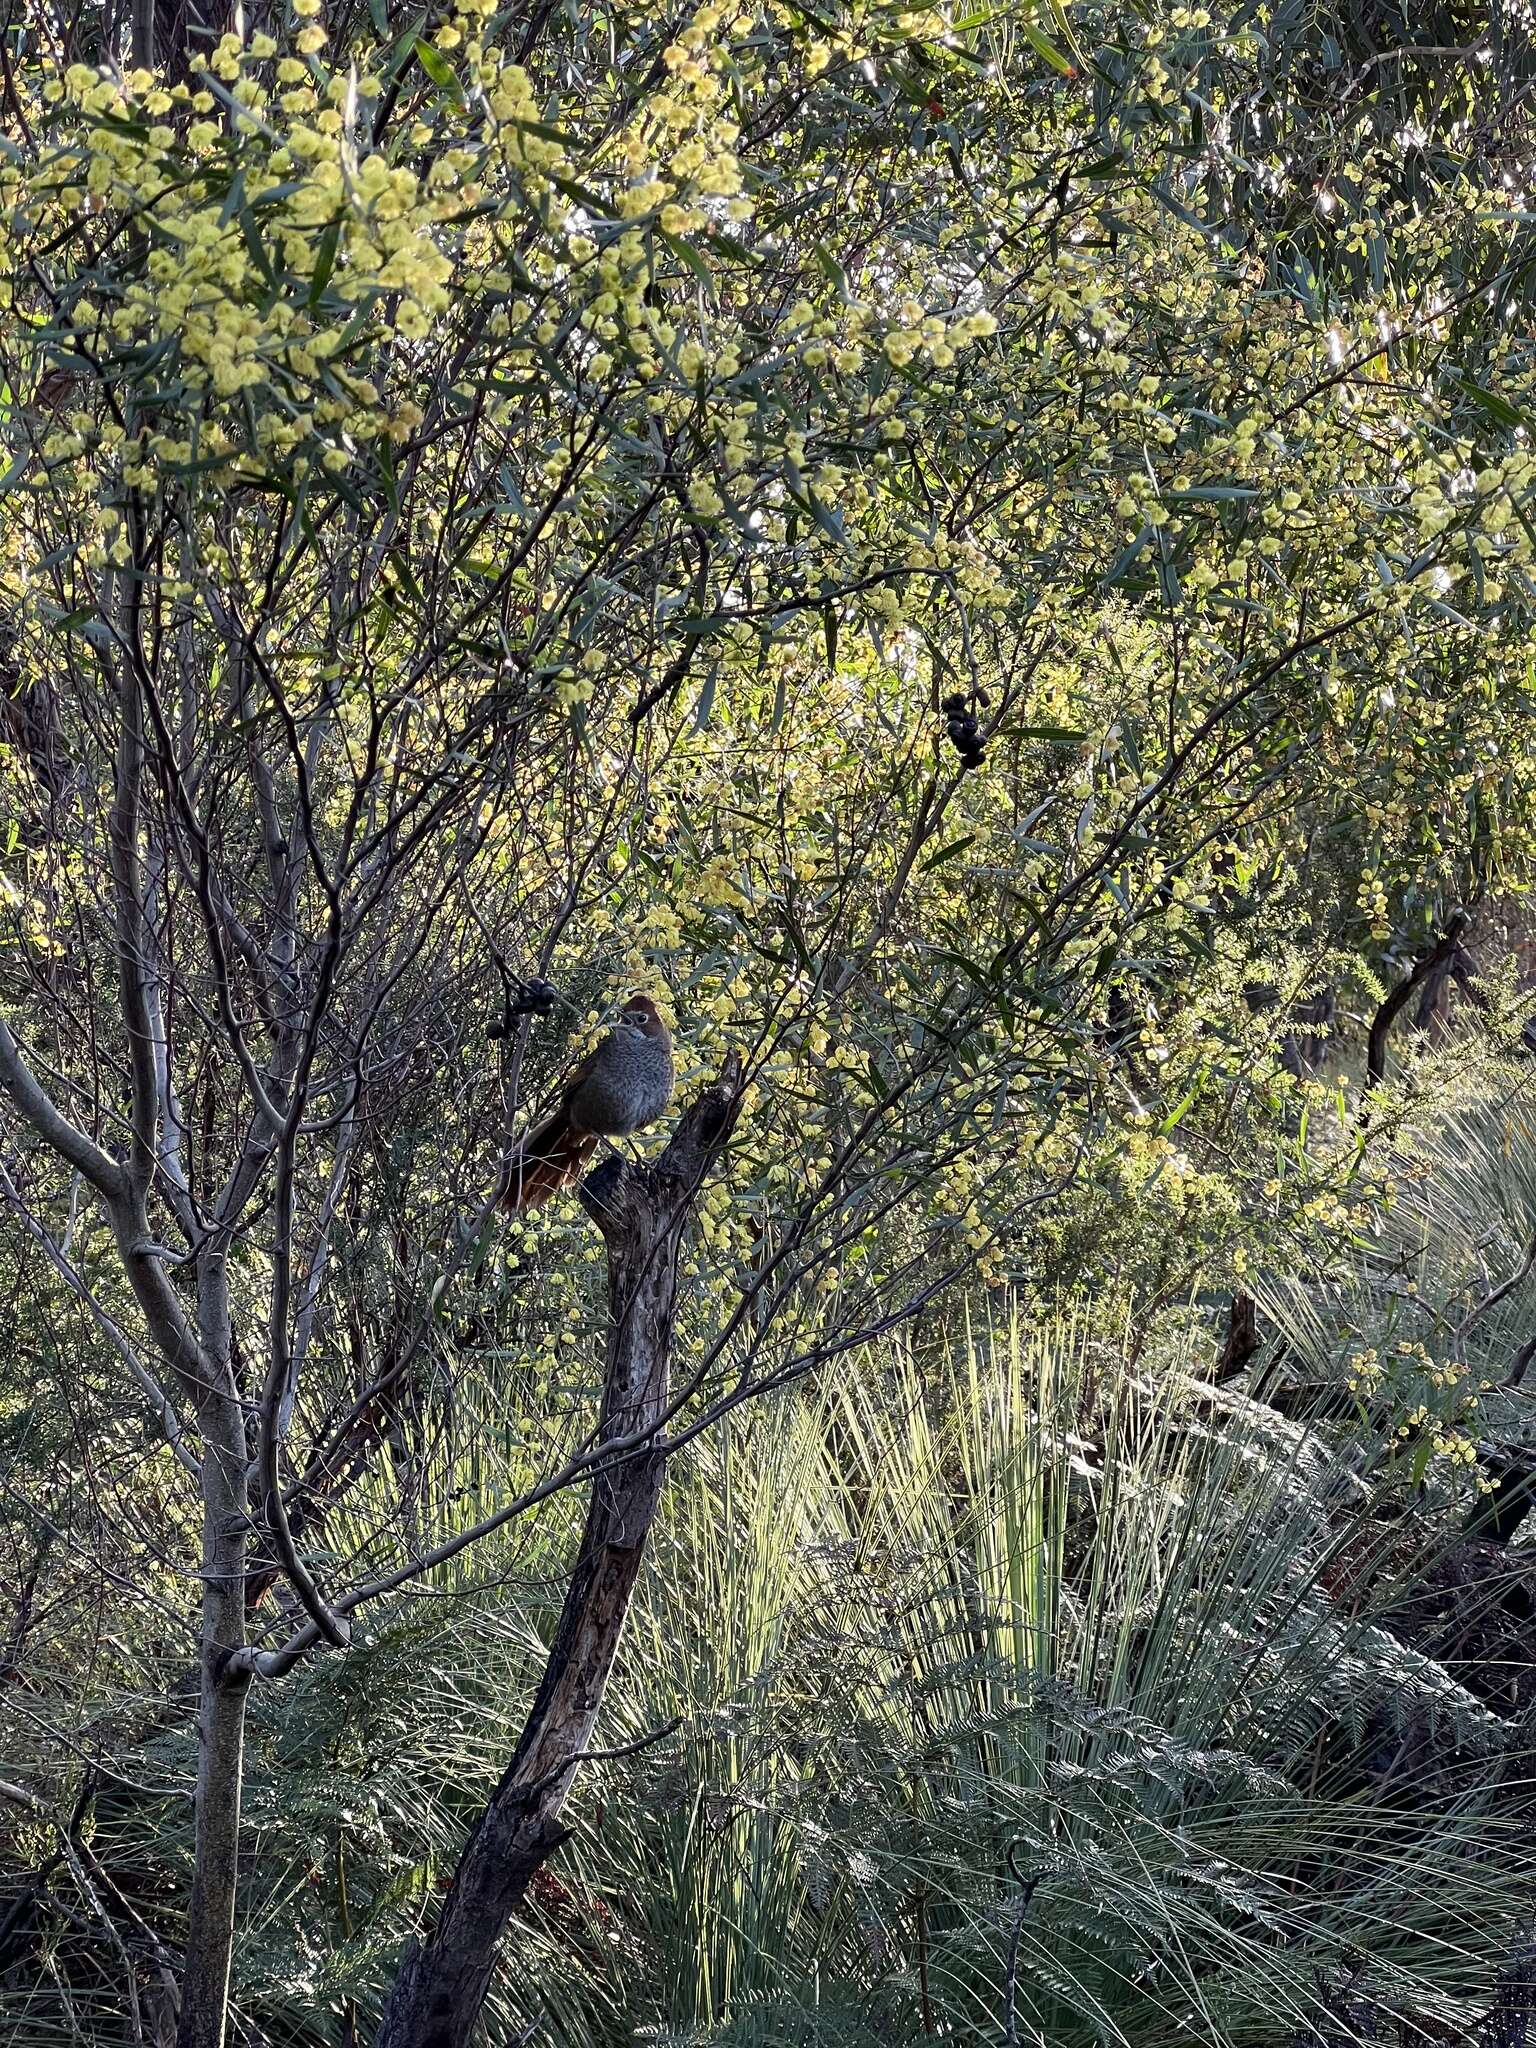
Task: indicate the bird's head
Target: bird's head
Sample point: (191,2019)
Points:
(641,1014)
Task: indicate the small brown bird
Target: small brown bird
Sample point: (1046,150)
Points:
(623,1084)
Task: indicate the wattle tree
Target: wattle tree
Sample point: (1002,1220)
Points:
(981,561)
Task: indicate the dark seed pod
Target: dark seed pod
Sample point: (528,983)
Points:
(961,731)
(534,998)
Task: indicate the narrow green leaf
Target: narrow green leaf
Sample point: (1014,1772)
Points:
(830,268)
(1176,1116)
(436,66)
(1497,408)
(1042,45)
(690,257)
(955,846)
(325,262)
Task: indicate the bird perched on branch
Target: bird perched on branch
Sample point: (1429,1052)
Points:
(623,1084)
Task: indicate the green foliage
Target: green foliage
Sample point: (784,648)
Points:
(1427,1329)
(984,559)
(1088,1615)
(1050,1617)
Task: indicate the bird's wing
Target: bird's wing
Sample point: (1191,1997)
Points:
(573,1080)
(558,1097)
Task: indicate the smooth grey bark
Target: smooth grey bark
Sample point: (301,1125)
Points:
(221,1728)
(202,1358)
(641,1213)
(199,1355)
(222,1689)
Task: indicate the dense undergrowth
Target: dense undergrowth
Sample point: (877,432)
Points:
(1025,1683)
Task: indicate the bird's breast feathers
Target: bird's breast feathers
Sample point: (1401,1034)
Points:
(627,1085)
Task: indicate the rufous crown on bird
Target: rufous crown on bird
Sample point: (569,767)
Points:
(641,1012)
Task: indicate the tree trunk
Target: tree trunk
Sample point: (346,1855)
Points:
(221,1727)
(641,1213)
(1428,964)
(1241,1342)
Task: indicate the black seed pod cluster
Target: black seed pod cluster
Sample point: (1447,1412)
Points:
(531,999)
(960,724)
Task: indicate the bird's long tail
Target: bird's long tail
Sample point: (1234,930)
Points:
(547,1159)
